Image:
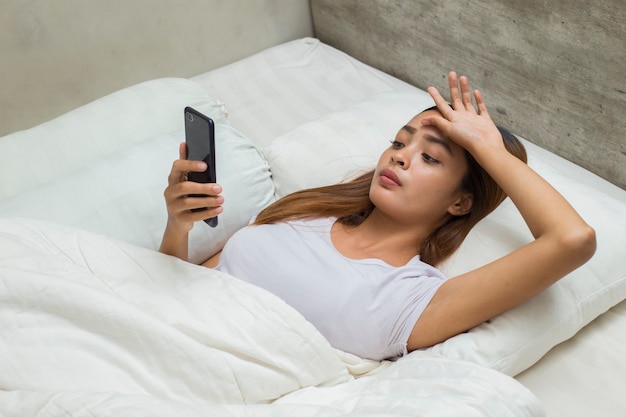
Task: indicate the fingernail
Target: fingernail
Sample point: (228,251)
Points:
(217,189)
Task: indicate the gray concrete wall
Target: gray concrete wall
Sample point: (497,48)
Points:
(58,55)
(552,71)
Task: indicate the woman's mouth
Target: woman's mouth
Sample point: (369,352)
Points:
(389,177)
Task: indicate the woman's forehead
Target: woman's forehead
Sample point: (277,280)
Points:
(415,124)
(418,117)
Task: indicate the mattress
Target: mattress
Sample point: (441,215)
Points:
(270,93)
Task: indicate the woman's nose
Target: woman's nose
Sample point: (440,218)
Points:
(399,158)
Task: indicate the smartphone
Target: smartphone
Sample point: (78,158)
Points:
(200,139)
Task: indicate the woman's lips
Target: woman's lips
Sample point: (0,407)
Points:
(389,177)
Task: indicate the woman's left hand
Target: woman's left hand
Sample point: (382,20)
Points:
(470,128)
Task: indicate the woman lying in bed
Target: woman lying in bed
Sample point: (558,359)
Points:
(358,259)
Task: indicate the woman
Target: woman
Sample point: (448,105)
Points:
(358,259)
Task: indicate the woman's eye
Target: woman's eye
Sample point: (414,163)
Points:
(396,144)
(430,159)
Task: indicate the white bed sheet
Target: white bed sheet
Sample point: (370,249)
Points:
(583,376)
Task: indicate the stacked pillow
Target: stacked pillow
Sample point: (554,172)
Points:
(103,167)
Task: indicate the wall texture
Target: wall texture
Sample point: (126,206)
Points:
(58,55)
(553,71)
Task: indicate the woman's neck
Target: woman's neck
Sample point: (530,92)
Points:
(379,237)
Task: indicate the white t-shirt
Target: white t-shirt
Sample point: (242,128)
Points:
(365,307)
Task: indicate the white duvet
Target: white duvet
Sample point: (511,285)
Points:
(96,327)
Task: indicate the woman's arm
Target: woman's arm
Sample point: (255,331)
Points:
(563,241)
(213,260)
(180,218)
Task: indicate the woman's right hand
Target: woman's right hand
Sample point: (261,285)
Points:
(178,191)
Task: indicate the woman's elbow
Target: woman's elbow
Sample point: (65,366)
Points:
(581,243)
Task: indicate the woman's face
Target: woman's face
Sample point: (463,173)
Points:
(418,178)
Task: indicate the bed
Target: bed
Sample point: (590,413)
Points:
(96,322)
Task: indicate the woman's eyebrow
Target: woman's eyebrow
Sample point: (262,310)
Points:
(439,141)
(429,138)
(409,129)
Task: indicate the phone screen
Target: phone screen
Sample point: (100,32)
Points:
(200,139)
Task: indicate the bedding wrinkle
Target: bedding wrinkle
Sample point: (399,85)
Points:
(414,385)
(142,309)
(305,56)
(187,327)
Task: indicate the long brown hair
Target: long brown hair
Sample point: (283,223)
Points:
(350,203)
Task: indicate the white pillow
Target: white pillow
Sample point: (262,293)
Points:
(103,167)
(82,136)
(121,196)
(341,144)
(335,146)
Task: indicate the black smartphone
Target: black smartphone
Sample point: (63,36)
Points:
(200,139)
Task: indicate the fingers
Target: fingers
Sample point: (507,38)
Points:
(440,102)
(190,201)
(189,195)
(466,95)
(462,121)
(182,150)
(460,96)
(480,103)
(455,96)
(181,167)
(197,207)
(189,217)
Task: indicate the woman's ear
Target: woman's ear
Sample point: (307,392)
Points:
(462,205)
